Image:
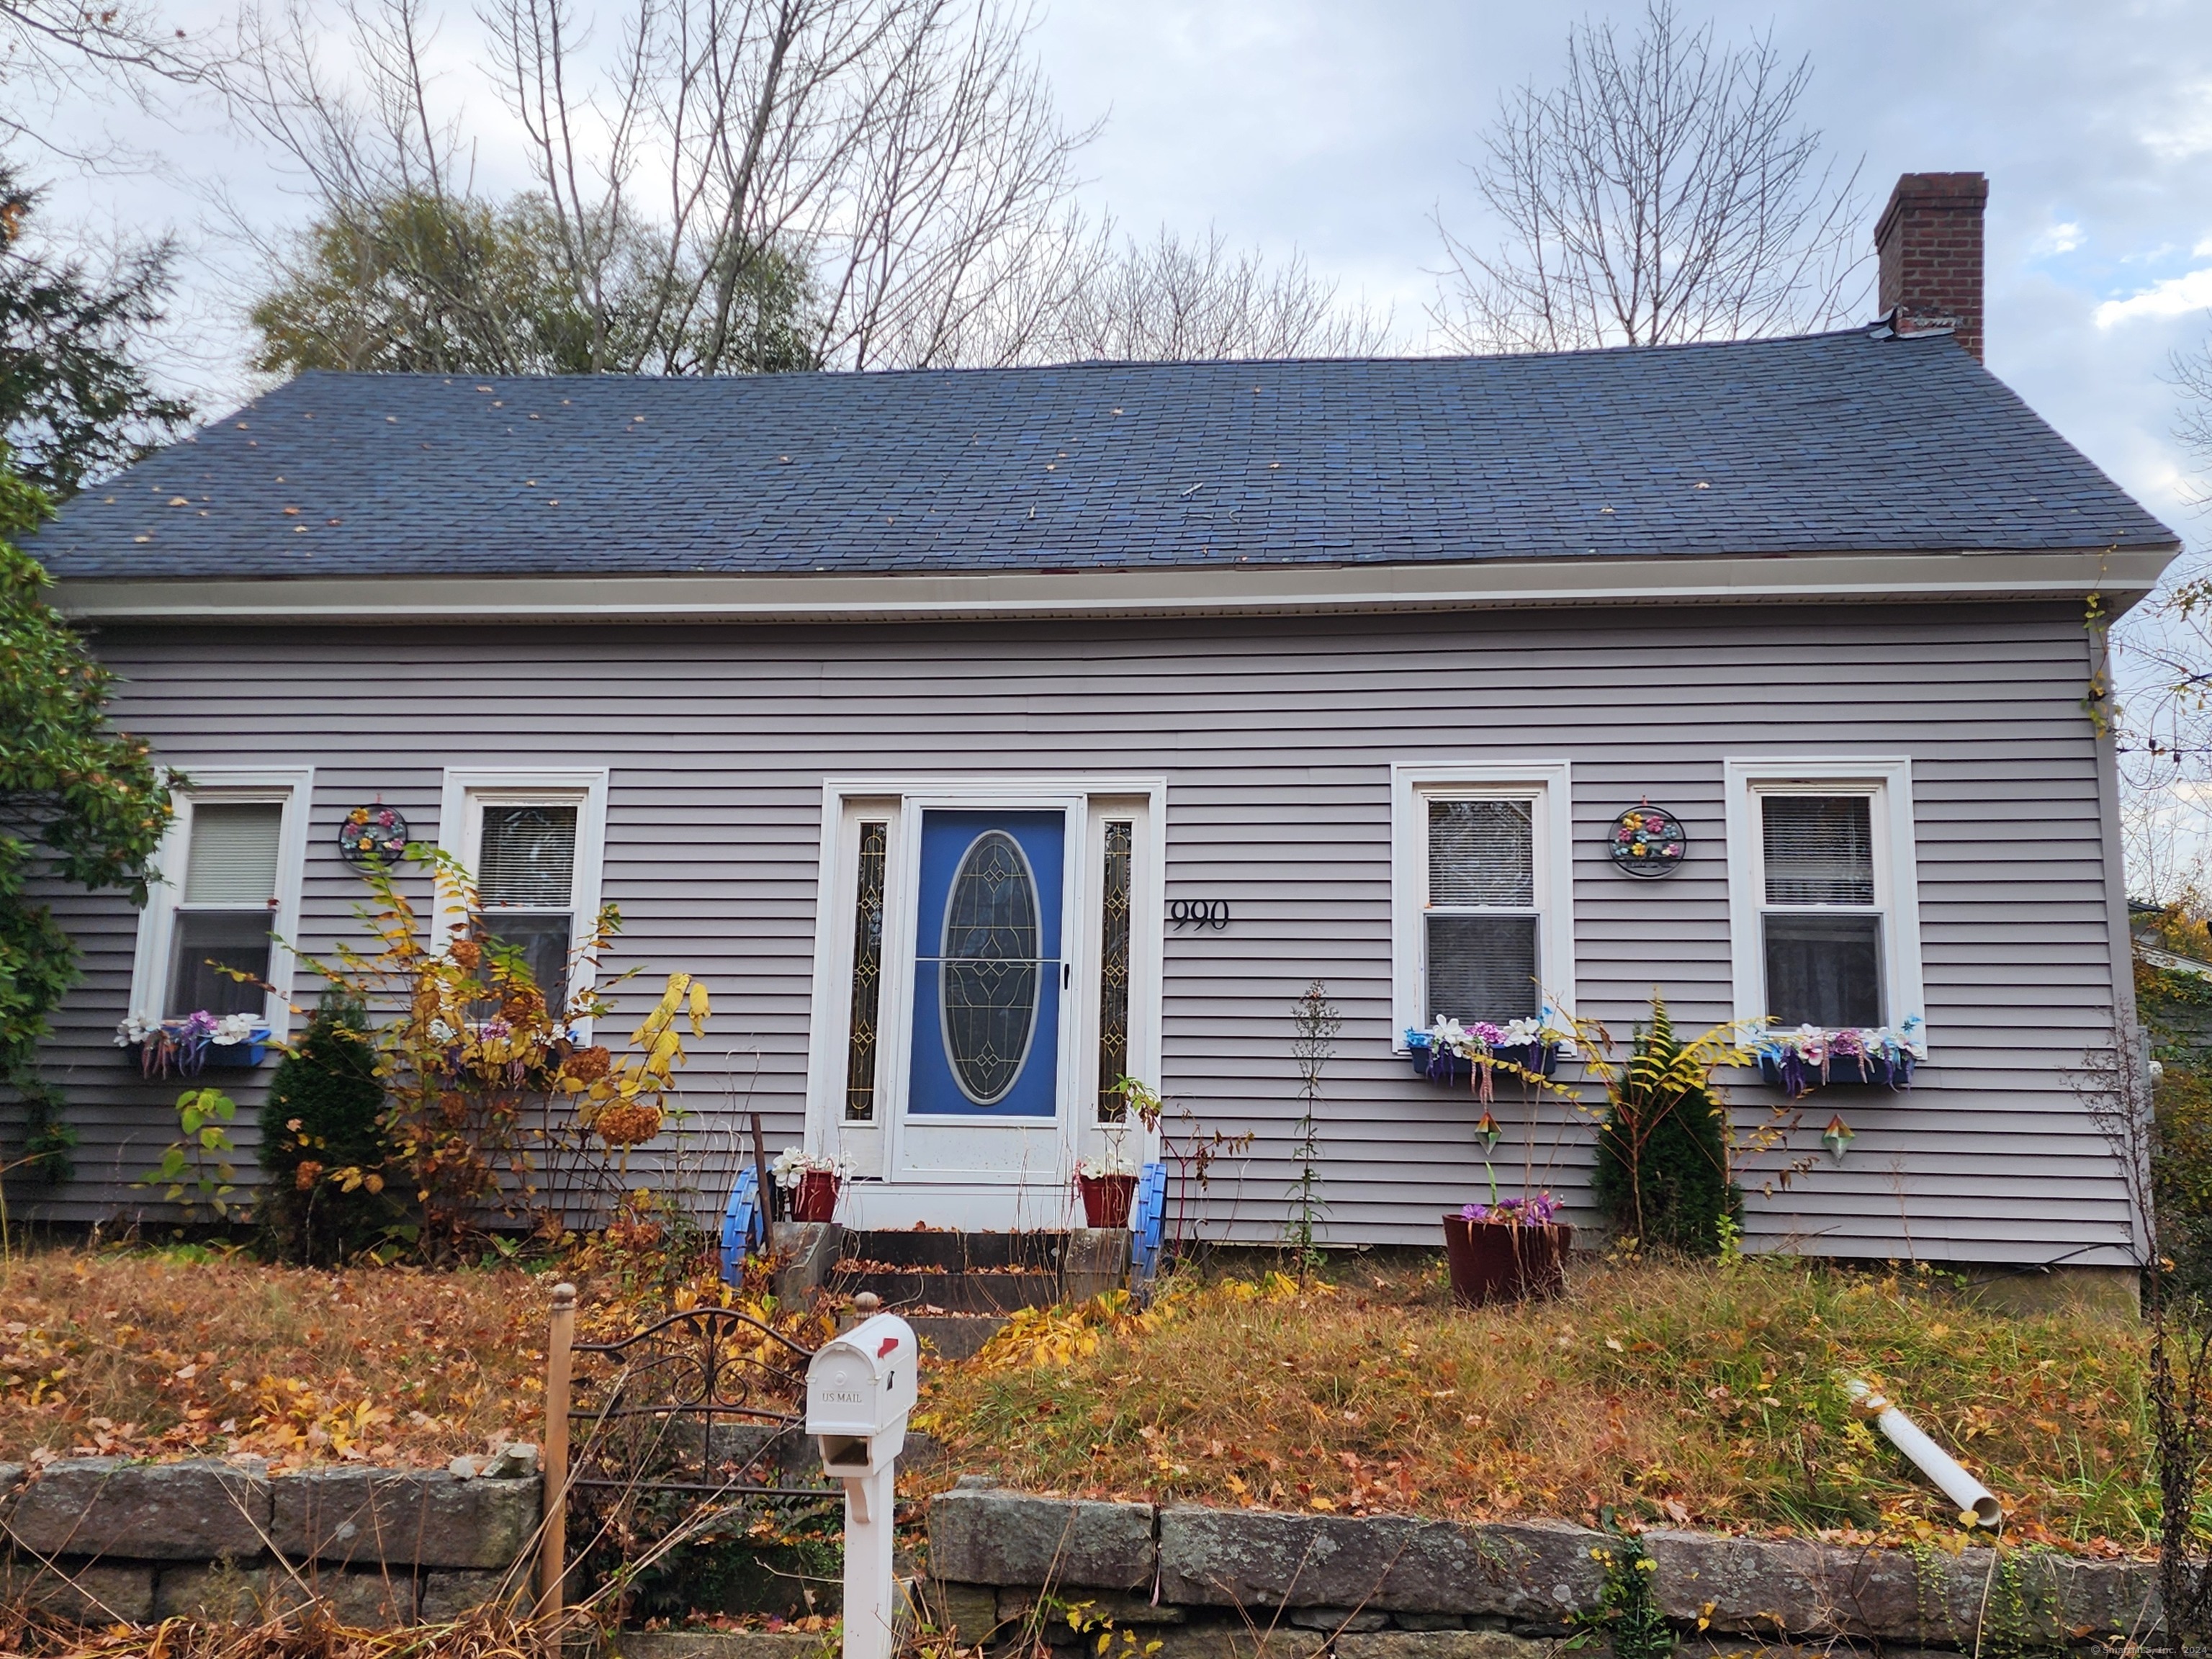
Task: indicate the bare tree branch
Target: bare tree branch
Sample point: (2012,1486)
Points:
(742,184)
(51,48)
(1663,192)
(1169,298)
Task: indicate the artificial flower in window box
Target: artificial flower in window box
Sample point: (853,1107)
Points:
(1511,1249)
(812,1179)
(1808,1058)
(186,1047)
(1449,1052)
(1108,1184)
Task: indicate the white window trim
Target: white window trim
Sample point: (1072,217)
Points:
(842,817)
(1897,878)
(295,787)
(468,790)
(845,802)
(1551,781)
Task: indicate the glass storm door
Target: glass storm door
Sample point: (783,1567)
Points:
(990,976)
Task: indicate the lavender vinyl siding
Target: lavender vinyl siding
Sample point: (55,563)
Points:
(1277,740)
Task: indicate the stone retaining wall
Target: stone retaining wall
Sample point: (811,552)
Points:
(1210,1583)
(107,1539)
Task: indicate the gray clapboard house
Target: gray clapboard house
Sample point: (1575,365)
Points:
(1237,676)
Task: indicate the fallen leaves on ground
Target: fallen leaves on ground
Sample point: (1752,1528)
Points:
(1685,1394)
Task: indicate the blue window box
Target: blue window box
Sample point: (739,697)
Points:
(1541,1058)
(1844,1070)
(208,1057)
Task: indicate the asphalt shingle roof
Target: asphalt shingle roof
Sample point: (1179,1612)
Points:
(1832,442)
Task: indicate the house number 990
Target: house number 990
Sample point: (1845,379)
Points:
(1199,913)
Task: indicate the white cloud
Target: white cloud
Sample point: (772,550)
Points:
(2057,238)
(2189,130)
(2174,297)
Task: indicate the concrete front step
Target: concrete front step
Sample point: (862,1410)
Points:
(955,1336)
(908,1293)
(943,1251)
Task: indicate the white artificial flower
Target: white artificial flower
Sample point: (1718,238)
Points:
(232,1028)
(1449,1036)
(794,1163)
(1110,1164)
(1524,1033)
(441,1032)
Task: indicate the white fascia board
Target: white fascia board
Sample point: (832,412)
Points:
(2122,575)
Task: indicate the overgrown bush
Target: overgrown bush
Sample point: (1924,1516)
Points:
(484,1078)
(1662,1156)
(323,1147)
(2174,1007)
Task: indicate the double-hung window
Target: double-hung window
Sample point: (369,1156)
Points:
(531,843)
(224,915)
(1484,922)
(213,939)
(1821,877)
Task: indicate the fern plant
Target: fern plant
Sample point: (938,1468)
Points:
(1662,1175)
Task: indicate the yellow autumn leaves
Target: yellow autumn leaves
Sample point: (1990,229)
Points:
(623,1099)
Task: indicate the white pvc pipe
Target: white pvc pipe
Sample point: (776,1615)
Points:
(1972,1498)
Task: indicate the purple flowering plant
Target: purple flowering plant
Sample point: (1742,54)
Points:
(1537,1211)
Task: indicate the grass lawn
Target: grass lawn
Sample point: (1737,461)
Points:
(189,1352)
(1706,1395)
(173,1353)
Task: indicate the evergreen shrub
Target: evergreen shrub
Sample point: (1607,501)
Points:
(1662,1168)
(323,1146)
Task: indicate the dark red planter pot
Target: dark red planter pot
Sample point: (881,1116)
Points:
(815,1199)
(1494,1261)
(1106,1199)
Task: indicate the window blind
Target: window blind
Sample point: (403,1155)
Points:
(528,857)
(204,943)
(1819,848)
(231,858)
(1824,971)
(1482,852)
(1482,968)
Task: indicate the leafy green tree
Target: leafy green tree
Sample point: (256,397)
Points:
(323,1146)
(1663,1166)
(79,803)
(74,401)
(425,284)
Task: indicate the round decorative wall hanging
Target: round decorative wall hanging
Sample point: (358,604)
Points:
(1648,841)
(372,832)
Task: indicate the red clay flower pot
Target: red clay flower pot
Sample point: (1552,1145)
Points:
(1494,1261)
(1106,1199)
(815,1199)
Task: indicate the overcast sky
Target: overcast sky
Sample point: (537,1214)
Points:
(1339,129)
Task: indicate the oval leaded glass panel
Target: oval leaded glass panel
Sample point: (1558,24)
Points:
(988,987)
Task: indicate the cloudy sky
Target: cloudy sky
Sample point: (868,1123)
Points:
(1340,129)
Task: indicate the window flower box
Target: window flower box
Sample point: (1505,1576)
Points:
(189,1046)
(1443,1066)
(1447,1053)
(1808,1058)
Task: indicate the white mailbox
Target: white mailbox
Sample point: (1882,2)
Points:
(860,1388)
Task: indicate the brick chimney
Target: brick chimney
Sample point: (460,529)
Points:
(1929,242)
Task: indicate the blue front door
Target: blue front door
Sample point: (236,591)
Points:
(988,972)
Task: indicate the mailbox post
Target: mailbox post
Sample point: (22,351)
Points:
(860,1388)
